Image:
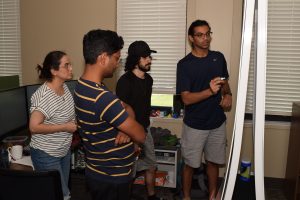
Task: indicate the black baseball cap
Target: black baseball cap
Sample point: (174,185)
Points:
(140,49)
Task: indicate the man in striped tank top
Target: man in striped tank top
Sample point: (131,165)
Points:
(108,131)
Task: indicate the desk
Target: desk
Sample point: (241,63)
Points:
(24,163)
(16,166)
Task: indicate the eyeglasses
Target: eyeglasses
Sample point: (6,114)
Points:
(202,35)
(67,65)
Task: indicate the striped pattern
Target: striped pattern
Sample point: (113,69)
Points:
(99,113)
(57,110)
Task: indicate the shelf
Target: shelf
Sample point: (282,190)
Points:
(165,160)
(166,119)
(165,156)
(169,149)
(171,176)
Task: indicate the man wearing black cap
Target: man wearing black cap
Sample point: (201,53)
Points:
(135,89)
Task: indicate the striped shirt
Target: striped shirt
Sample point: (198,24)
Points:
(99,112)
(57,110)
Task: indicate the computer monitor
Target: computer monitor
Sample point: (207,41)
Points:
(13,112)
(162,102)
(30,89)
(71,85)
(166,101)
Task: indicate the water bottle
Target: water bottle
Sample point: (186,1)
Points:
(245,170)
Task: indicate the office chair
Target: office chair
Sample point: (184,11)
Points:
(31,185)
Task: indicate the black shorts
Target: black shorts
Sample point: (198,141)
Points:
(108,191)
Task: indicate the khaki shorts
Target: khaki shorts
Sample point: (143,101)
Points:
(212,142)
(147,160)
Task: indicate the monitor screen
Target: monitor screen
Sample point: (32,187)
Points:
(30,89)
(161,103)
(13,113)
(162,100)
(71,85)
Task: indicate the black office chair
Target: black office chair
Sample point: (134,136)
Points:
(31,185)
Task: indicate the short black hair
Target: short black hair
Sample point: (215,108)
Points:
(196,23)
(98,41)
(51,61)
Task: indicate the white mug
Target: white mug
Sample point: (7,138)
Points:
(15,152)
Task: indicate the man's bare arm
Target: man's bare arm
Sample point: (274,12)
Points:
(128,109)
(134,130)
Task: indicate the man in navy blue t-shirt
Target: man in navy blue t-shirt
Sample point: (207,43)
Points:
(202,81)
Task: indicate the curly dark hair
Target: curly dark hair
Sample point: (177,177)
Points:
(131,62)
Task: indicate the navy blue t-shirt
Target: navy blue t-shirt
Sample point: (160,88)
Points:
(194,75)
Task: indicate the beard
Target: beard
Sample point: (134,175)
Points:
(145,68)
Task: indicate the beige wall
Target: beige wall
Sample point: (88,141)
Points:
(213,12)
(276,147)
(60,25)
(49,25)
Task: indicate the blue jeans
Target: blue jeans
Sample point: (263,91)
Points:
(43,161)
